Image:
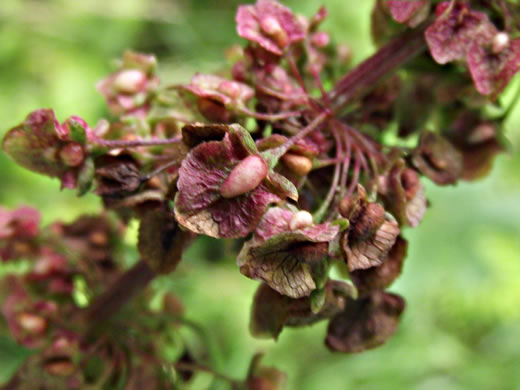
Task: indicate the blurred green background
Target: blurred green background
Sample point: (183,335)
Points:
(461,329)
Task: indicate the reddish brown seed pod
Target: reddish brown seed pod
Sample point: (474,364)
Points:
(244,177)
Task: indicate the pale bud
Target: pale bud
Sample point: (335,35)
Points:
(320,39)
(32,323)
(129,81)
(230,89)
(246,176)
(272,27)
(500,42)
(482,133)
(300,220)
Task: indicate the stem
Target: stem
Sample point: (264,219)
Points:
(299,79)
(384,62)
(317,79)
(194,367)
(346,166)
(320,213)
(117,144)
(367,143)
(355,178)
(269,117)
(123,289)
(278,152)
(158,170)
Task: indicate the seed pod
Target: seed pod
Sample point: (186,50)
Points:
(300,165)
(246,176)
(410,182)
(72,154)
(371,218)
(129,81)
(32,323)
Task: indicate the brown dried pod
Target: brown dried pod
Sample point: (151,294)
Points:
(161,241)
(365,323)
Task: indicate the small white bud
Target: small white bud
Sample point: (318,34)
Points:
(129,81)
(32,323)
(300,220)
(500,42)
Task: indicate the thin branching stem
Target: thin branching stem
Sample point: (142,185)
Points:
(195,367)
(321,212)
(122,144)
(355,178)
(269,117)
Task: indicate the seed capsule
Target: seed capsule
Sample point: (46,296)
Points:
(246,176)
(300,165)
(129,81)
(371,218)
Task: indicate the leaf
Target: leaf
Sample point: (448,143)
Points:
(454,29)
(365,323)
(161,241)
(285,268)
(272,311)
(270,24)
(86,176)
(282,186)
(410,12)
(194,134)
(77,130)
(199,204)
(436,158)
(34,144)
(372,250)
(12,357)
(380,277)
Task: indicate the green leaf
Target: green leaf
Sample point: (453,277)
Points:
(86,176)
(343,223)
(77,132)
(282,186)
(245,138)
(12,357)
(317,300)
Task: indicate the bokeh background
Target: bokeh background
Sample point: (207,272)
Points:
(461,329)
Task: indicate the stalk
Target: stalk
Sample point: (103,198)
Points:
(383,63)
(126,287)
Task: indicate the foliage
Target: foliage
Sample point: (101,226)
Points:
(123,163)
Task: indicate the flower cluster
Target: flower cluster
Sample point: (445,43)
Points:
(314,177)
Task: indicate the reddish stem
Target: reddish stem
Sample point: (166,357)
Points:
(122,290)
(346,165)
(367,74)
(355,178)
(269,117)
(117,144)
(320,213)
